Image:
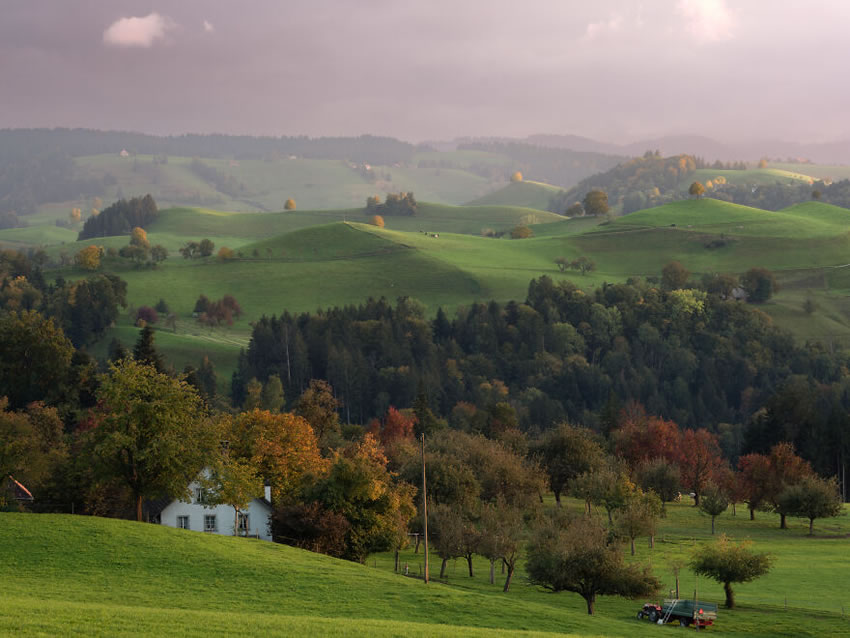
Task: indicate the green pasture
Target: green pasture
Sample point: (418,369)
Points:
(81,575)
(753,176)
(817,171)
(526,193)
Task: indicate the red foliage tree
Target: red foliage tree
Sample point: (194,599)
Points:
(701,457)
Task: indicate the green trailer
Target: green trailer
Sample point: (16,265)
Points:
(686,612)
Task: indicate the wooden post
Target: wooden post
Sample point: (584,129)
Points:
(424,510)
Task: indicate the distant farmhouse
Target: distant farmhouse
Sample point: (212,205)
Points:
(197,515)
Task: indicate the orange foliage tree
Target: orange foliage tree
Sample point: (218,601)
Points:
(282,446)
(701,457)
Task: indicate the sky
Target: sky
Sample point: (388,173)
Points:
(617,71)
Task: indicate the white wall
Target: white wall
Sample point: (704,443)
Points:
(259,515)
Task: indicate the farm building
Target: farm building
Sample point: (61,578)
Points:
(199,516)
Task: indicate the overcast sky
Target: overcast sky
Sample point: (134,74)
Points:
(435,69)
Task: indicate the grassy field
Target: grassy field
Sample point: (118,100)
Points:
(304,260)
(78,575)
(818,171)
(529,194)
(770,175)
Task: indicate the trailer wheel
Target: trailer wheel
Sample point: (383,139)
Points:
(684,622)
(640,615)
(653,616)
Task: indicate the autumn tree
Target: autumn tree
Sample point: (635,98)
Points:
(516,177)
(700,456)
(660,476)
(271,397)
(226,254)
(786,469)
(596,203)
(728,563)
(811,498)
(501,534)
(89,257)
(580,559)
(446,533)
(562,263)
(565,453)
(696,189)
(289,205)
(638,516)
(150,432)
(378,221)
(583,264)
(32,445)
(521,232)
(282,446)
(361,488)
(608,486)
(235,482)
(754,478)
(318,405)
(76,215)
(714,502)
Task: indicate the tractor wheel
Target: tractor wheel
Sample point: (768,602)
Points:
(653,616)
(640,615)
(684,622)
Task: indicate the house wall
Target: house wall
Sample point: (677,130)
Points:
(258,517)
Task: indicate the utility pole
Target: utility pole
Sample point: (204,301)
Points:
(424,509)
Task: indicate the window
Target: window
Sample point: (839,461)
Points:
(244,525)
(183,522)
(200,495)
(209,523)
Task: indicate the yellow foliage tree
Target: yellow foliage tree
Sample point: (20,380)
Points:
(138,237)
(282,446)
(225,253)
(516,177)
(378,221)
(89,257)
(76,215)
(289,205)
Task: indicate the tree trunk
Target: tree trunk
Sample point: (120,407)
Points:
(492,571)
(558,497)
(508,579)
(235,522)
(733,508)
(416,549)
(139,507)
(730,595)
(652,541)
(811,526)
(610,518)
(752,514)
(396,561)
(632,544)
(712,526)
(443,567)
(696,499)
(469,563)
(590,600)
(782,524)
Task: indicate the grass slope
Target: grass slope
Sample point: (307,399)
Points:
(105,577)
(527,193)
(79,575)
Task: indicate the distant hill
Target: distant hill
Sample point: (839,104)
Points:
(526,193)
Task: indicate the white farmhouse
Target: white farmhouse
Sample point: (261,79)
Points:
(195,515)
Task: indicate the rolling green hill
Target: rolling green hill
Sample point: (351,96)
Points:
(75,575)
(526,193)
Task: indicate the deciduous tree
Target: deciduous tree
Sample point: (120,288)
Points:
(713,501)
(813,497)
(728,563)
(150,432)
(581,560)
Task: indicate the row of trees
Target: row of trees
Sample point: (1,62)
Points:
(394,204)
(120,218)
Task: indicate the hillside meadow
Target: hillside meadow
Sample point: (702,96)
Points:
(440,258)
(82,575)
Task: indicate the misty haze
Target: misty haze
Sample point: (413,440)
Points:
(391,318)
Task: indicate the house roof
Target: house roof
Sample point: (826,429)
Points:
(19,492)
